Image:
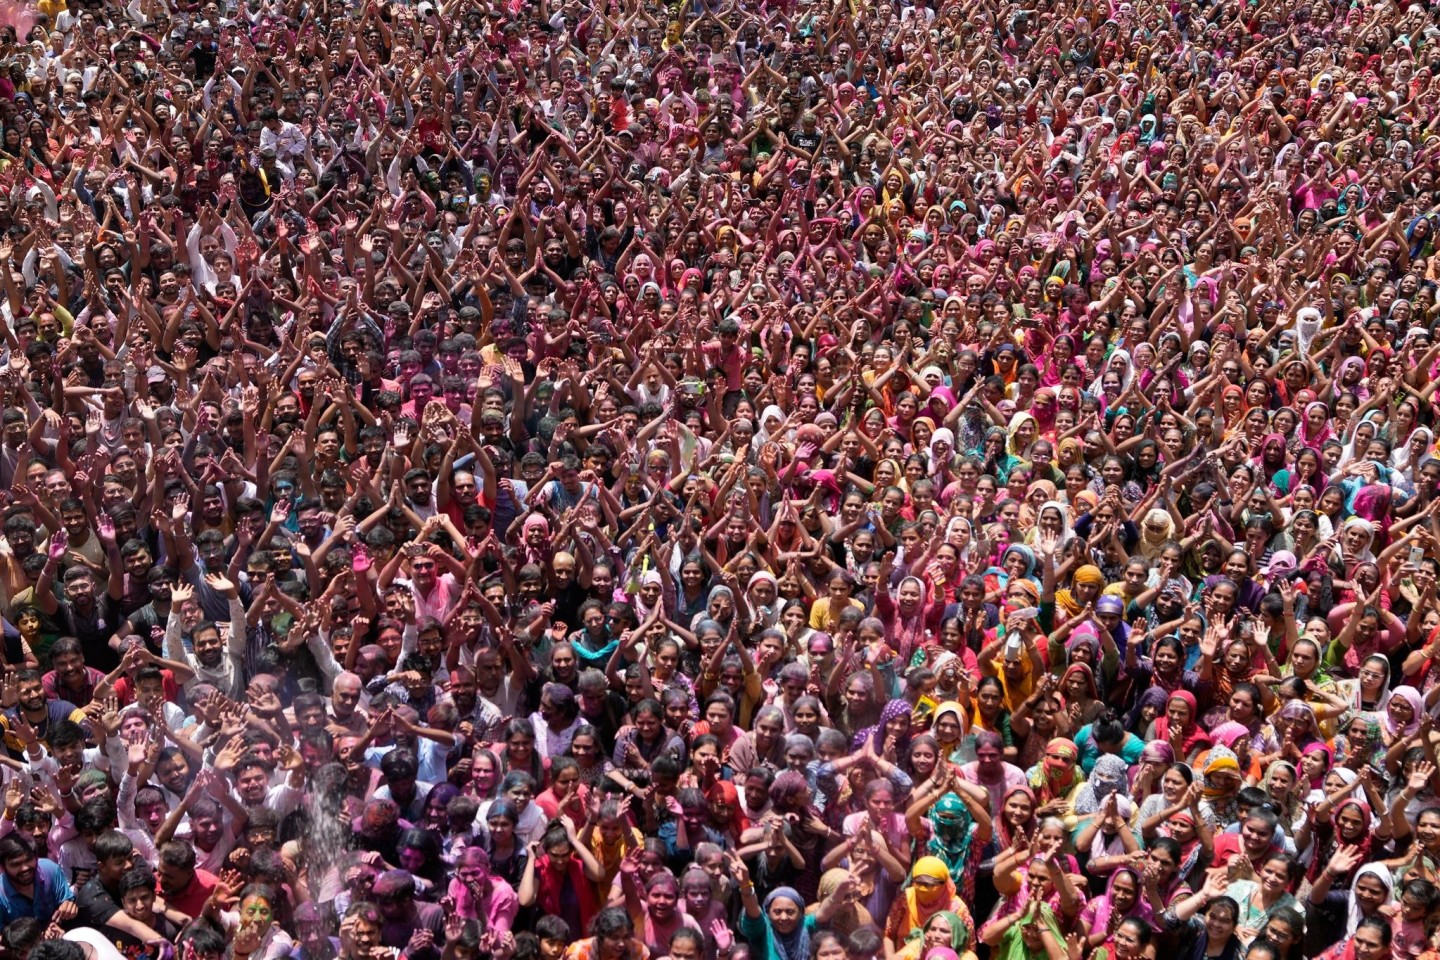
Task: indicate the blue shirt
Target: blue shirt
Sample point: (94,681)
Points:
(51,890)
(1131,749)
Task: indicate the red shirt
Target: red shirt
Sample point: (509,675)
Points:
(1228,847)
(192,901)
(125,690)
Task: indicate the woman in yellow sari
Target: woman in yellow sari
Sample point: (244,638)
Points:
(1085,588)
(1023,430)
(928,891)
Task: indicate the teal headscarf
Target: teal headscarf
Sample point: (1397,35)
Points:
(951,824)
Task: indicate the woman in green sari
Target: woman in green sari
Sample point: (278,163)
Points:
(1029,933)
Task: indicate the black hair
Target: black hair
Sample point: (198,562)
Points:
(15,845)
(551,927)
(864,941)
(95,816)
(610,921)
(137,878)
(1108,728)
(66,733)
(67,950)
(112,844)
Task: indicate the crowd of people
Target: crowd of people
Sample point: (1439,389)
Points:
(719,480)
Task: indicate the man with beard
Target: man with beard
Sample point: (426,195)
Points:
(33,716)
(484,718)
(216,661)
(87,613)
(32,886)
(70,679)
(186,887)
(413,927)
(149,621)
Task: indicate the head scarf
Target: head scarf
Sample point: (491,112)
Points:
(1387,880)
(844,919)
(951,824)
(1365,555)
(1054,779)
(1064,512)
(1356,697)
(1302,711)
(1024,553)
(1193,737)
(1085,670)
(1003,831)
(1229,733)
(1014,428)
(1152,697)
(1221,760)
(1065,599)
(1012,946)
(789,786)
(893,710)
(720,590)
(1101,909)
(933,868)
(1315,440)
(1290,804)
(1016,690)
(1150,543)
(1110,771)
(900,482)
(919,420)
(796,944)
(959,936)
(1333,841)
(954,707)
(726,792)
(948,436)
(1319,746)
(1417,710)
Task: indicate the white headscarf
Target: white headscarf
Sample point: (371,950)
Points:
(1066,533)
(1401,459)
(1125,377)
(1353,916)
(1366,555)
(762,430)
(946,435)
(766,616)
(950,528)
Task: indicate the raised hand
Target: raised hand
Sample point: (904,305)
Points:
(58,542)
(1345,859)
(1420,776)
(724,940)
